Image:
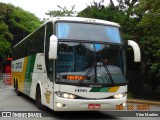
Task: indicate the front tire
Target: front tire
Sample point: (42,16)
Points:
(38,99)
(14,83)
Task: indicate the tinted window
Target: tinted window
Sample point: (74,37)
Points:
(49,63)
(93,32)
(33,44)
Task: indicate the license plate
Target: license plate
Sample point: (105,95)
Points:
(94,106)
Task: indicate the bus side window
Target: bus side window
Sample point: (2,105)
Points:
(49,63)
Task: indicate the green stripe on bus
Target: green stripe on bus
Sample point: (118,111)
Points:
(95,89)
(30,65)
(104,89)
(28,74)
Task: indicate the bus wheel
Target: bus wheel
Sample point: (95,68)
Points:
(14,84)
(38,99)
(17,91)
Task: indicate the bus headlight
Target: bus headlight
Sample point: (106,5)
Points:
(118,96)
(65,95)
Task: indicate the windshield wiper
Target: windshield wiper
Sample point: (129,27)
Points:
(87,73)
(107,70)
(109,74)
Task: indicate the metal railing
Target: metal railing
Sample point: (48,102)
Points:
(5,78)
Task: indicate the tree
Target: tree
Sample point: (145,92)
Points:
(151,33)
(150,38)
(4,47)
(63,11)
(15,24)
(121,14)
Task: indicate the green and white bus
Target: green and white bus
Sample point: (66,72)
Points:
(73,64)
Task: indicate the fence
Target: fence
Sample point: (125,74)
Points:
(142,85)
(5,79)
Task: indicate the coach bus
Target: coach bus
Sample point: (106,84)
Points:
(73,64)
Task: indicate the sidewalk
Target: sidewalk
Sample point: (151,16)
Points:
(139,101)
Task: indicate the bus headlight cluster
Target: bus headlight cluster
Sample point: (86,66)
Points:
(65,95)
(118,96)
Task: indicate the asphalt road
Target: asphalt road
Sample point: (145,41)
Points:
(9,101)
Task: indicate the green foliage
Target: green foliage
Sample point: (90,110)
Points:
(63,11)
(15,24)
(5,31)
(119,14)
(4,45)
(150,35)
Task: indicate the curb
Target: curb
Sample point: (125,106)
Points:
(143,102)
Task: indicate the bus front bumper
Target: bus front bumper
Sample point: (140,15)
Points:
(62,104)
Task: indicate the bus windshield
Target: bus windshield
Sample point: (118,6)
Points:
(90,63)
(85,31)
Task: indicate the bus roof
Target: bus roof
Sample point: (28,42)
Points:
(82,19)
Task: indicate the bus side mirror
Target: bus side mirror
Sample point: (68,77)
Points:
(53,47)
(136,50)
